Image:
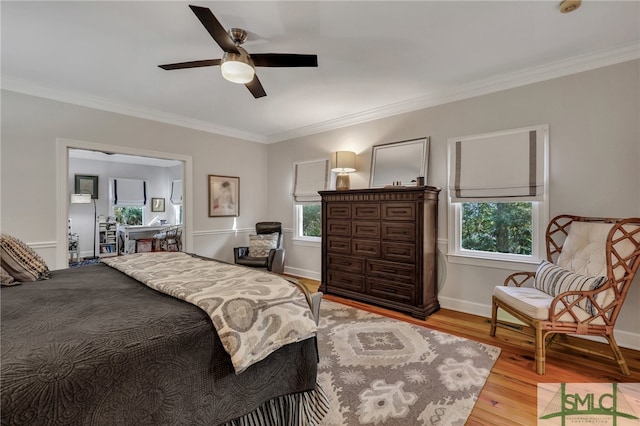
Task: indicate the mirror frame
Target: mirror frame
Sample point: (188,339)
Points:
(411,161)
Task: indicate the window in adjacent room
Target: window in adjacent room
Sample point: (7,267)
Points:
(309,178)
(176,200)
(129,196)
(498,195)
(128,215)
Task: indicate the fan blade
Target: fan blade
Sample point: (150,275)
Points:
(192,64)
(255,87)
(214,28)
(284,60)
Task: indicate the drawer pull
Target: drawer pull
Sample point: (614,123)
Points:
(388,271)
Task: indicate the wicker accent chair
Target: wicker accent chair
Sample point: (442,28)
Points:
(547,300)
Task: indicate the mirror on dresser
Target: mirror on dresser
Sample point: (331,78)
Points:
(399,162)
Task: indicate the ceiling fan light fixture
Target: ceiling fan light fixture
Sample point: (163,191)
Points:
(237,68)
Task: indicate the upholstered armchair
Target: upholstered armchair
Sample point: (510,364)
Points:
(264,250)
(580,288)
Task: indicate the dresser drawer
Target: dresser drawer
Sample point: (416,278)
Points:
(399,252)
(366,211)
(363,229)
(340,228)
(339,245)
(399,211)
(339,211)
(346,281)
(392,271)
(390,290)
(345,264)
(365,248)
(399,231)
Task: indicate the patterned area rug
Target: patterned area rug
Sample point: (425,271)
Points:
(381,371)
(84,263)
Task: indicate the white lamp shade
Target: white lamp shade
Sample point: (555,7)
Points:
(80,198)
(343,162)
(237,67)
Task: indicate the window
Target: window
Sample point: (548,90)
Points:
(309,178)
(309,222)
(497,227)
(498,197)
(128,215)
(177,214)
(129,196)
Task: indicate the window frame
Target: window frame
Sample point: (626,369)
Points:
(457,254)
(539,219)
(298,215)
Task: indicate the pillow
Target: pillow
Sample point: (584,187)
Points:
(21,261)
(554,280)
(6,279)
(259,245)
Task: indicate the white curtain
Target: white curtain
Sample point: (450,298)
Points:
(503,166)
(176,192)
(129,192)
(309,177)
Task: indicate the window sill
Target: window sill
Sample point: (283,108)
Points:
(487,262)
(306,243)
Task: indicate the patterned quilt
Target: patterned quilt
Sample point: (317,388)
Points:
(255,313)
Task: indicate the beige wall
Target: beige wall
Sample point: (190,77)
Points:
(31,126)
(594,125)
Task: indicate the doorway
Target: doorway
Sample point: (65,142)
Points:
(67,149)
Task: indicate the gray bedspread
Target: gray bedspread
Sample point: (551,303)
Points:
(92,346)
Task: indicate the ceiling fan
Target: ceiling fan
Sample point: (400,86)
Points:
(236,64)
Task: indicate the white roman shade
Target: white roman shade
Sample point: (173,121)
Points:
(308,178)
(129,192)
(504,166)
(176,192)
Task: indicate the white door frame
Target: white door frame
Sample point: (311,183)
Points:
(63,191)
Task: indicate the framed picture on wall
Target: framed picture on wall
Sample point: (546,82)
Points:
(157,204)
(224,196)
(86,184)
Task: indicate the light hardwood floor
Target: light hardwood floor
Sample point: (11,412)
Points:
(510,395)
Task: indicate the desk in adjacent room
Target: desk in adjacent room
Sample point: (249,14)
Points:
(128,234)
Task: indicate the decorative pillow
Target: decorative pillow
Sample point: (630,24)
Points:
(21,261)
(259,245)
(6,279)
(554,280)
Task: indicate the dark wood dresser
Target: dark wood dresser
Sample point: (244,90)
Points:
(379,247)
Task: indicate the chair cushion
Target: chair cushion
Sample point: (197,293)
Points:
(535,303)
(21,261)
(261,244)
(553,280)
(583,252)
(256,262)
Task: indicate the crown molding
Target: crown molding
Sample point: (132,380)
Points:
(498,83)
(28,88)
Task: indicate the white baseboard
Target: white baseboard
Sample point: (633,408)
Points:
(624,338)
(303,273)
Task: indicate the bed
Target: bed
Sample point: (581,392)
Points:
(94,346)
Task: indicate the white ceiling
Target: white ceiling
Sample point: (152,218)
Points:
(375,58)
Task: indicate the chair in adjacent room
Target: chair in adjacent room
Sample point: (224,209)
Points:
(169,239)
(580,288)
(265,248)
